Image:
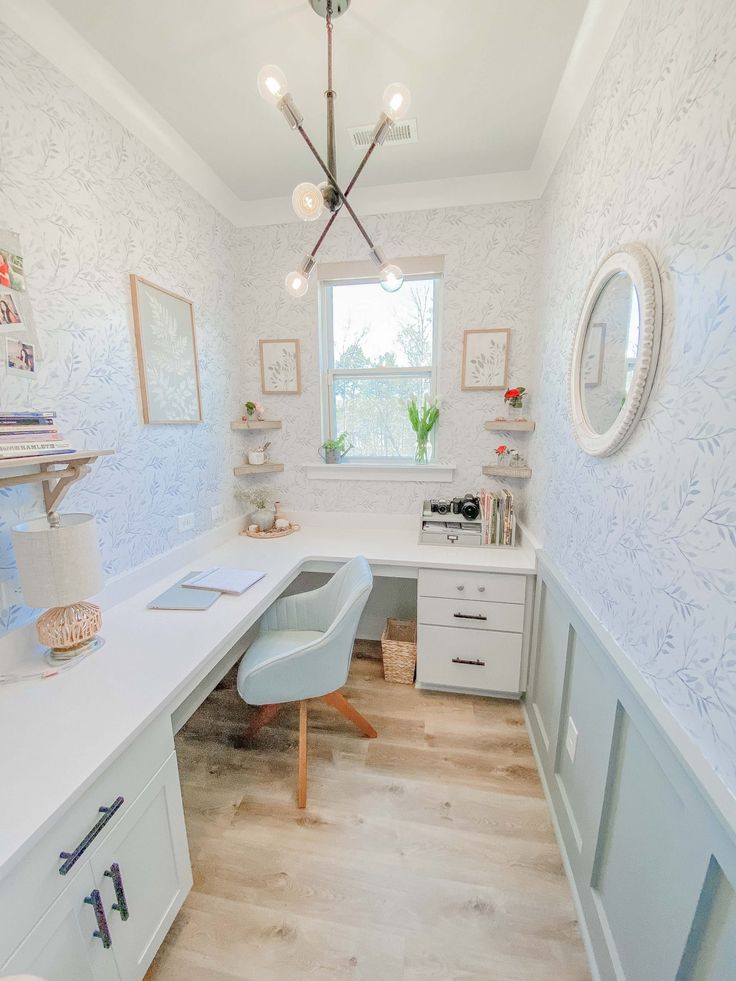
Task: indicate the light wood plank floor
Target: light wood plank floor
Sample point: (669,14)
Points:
(424,854)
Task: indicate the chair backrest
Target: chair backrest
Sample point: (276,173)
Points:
(345,597)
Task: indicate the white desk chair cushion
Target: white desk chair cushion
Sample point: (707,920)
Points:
(306,640)
(304,651)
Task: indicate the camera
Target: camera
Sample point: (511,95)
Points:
(440,507)
(468,507)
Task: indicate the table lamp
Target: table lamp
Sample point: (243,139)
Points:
(59,566)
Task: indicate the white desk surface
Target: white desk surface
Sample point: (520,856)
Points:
(58,735)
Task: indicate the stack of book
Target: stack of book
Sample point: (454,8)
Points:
(30,434)
(499,520)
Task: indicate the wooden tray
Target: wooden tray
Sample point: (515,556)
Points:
(269,534)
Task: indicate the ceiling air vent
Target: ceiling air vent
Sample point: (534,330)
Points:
(404,131)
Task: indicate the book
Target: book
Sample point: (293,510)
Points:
(231,581)
(26,418)
(8,429)
(31,437)
(26,450)
(178,598)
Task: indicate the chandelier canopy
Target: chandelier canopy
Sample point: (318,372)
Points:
(311,200)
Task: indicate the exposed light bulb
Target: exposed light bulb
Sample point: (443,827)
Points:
(272,84)
(307,201)
(296,283)
(391,277)
(396,100)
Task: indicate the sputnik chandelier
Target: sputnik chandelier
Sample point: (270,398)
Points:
(310,200)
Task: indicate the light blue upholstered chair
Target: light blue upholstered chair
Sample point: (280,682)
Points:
(304,651)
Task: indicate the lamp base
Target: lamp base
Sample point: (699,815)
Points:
(69,630)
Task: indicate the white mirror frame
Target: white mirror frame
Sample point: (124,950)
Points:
(639,264)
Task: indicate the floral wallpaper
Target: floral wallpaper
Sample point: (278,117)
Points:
(647,536)
(491,259)
(92,205)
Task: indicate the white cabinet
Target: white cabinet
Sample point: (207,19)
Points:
(62,946)
(105,918)
(143,874)
(473,631)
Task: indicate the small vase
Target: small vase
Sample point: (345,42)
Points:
(423,450)
(503,459)
(516,412)
(264,518)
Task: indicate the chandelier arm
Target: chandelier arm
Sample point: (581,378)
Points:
(330,176)
(330,97)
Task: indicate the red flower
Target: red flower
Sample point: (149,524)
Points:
(512,393)
(501,449)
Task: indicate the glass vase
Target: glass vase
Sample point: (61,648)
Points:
(516,412)
(423,451)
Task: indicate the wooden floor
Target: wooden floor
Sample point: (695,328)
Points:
(424,854)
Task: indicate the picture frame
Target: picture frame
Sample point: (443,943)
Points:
(20,357)
(166,349)
(485,366)
(281,372)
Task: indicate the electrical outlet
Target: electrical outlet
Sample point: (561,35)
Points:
(571,739)
(6,592)
(217,511)
(185,522)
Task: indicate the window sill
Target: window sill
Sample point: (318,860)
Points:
(432,473)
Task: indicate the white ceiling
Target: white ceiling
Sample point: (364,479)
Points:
(483,76)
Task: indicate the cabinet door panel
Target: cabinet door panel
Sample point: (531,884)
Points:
(62,945)
(149,851)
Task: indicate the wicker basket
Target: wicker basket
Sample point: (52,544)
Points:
(399,647)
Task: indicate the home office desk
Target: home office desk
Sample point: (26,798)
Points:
(65,738)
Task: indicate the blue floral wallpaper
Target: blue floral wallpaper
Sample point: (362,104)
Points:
(92,205)
(648,536)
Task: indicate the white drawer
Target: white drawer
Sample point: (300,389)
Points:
(35,882)
(495,587)
(443,654)
(471,613)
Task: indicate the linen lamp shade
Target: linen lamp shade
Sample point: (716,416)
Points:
(59,565)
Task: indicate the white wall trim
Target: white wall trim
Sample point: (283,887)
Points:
(41,26)
(430,473)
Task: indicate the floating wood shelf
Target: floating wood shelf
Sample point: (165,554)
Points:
(510,425)
(251,470)
(518,473)
(56,482)
(256,424)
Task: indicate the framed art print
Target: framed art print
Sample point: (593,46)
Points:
(485,360)
(280,367)
(166,346)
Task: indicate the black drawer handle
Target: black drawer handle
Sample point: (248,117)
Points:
(117,880)
(70,858)
(102,932)
(477,663)
(469,616)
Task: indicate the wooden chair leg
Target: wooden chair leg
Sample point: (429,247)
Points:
(343,706)
(262,717)
(302,785)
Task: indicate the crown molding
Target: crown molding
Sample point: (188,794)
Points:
(41,26)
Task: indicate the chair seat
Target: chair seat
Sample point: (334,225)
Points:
(266,650)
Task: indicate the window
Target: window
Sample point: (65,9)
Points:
(378,349)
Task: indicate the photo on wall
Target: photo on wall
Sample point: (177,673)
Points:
(20,357)
(280,367)
(10,315)
(166,346)
(485,359)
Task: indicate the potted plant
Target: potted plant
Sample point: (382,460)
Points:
(423,419)
(261,499)
(251,409)
(502,455)
(514,400)
(333,450)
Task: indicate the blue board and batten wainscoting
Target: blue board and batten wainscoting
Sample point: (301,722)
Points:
(647,830)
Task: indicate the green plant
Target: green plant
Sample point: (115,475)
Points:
(338,444)
(258,498)
(423,418)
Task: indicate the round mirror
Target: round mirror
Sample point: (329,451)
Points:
(615,350)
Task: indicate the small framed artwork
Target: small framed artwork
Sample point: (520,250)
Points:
(281,372)
(485,360)
(595,345)
(20,357)
(166,346)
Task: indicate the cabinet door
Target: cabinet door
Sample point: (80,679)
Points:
(143,868)
(62,946)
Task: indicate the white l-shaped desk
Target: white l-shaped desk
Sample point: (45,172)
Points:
(59,735)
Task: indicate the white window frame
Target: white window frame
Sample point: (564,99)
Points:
(329,373)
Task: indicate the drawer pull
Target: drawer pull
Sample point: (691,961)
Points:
(102,932)
(70,858)
(460,589)
(477,663)
(481,589)
(469,616)
(121,904)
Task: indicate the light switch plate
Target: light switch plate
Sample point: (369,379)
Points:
(185,522)
(571,739)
